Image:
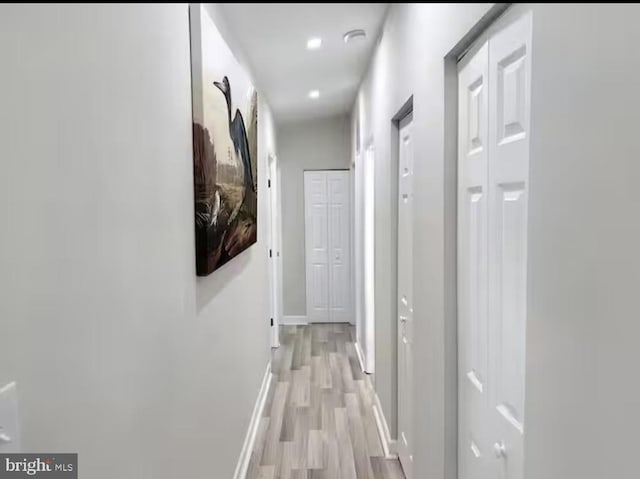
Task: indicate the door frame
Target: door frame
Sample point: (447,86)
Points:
(358,257)
(368,283)
(274,247)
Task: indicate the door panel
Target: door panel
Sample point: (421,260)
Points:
(405,294)
(509,113)
(511,297)
(317,245)
(473,138)
(339,243)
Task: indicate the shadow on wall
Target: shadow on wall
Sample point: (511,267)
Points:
(208,287)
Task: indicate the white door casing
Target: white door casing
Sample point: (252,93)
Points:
(352,244)
(493,163)
(364,240)
(369,284)
(275,259)
(316,245)
(327,244)
(358,253)
(405,294)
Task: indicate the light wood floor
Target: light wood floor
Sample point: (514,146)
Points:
(318,422)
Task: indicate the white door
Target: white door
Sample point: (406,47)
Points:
(328,249)
(493,160)
(509,113)
(339,226)
(405,294)
(316,245)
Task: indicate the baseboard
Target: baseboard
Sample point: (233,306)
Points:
(293,320)
(389,446)
(360,355)
(249,440)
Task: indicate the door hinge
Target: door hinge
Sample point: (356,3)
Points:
(268,183)
(270,253)
(271,321)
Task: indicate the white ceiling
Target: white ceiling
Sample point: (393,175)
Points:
(273,36)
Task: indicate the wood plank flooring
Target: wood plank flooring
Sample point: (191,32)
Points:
(318,422)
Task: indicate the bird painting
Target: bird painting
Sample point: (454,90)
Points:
(225,148)
(226,192)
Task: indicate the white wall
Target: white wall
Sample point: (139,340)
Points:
(581,396)
(309,145)
(119,353)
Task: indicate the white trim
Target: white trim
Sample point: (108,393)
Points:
(249,440)
(292,320)
(369,270)
(274,247)
(389,446)
(360,356)
(358,249)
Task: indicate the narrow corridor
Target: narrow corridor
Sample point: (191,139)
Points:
(318,421)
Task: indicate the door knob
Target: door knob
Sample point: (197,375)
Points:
(500,450)
(403,319)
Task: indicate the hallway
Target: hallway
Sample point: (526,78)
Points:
(318,421)
(319,240)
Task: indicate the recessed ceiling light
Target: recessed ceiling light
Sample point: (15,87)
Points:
(352,35)
(314,94)
(314,43)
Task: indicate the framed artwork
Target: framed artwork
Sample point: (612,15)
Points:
(225,147)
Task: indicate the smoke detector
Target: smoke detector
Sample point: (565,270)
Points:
(354,35)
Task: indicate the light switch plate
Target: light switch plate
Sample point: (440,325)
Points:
(9,430)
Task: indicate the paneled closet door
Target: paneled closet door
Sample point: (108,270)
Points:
(328,250)
(493,164)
